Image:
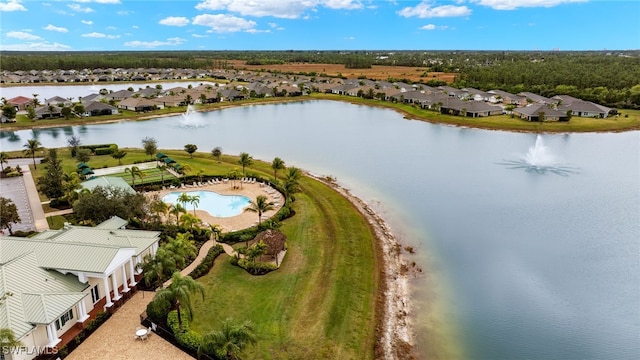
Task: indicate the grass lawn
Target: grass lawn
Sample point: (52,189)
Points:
(148,176)
(56,222)
(321,302)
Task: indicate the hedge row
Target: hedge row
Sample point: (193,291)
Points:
(207,263)
(184,335)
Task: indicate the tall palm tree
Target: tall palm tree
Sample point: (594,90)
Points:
(277,164)
(4,159)
(134,171)
(245,160)
(229,341)
(261,205)
(184,198)
(158,207)
(179,294)
(31,148)
(195,200)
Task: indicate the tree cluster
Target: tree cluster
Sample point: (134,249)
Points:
(104,202)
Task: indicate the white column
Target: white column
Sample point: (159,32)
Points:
(82,312)
(106,292)
(114,281)
(154,249)
(138,261)
(52,335)
(125,286)
(132,274)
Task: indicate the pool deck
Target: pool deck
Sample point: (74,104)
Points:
(246,218)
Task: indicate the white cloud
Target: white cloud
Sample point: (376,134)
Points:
(135,27)
(426,10)
(78,8)
(124,12)
(287,9)
(343,4)
(87,22)
(514,4)
(12,5)
(222,23)
(175,21)
(111,28)
(22,35)
(199,36)
(98,35)
(36,46)
(153,44)
(55,28)
(434,27)
(350,38)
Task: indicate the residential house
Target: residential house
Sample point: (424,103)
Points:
(58,101)
(507,98)
(582,108)
(60,279)
(535,98)
(96,108)
(455,106)
(20,102)
(534,112)
(140,104)
(48,112)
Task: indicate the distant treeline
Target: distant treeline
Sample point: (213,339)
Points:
(610,78)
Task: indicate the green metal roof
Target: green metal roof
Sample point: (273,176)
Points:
(160,155)
(115,222)
(108,181)
(39,295)
(82,165)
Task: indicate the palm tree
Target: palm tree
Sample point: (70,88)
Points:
(195,200)
(134,171)
(118,155)
(188,220)
(158,207)
(261,205)
(156,269)
(216,152)
(181,248)
(35,101)
(184,198)
(162,169)
(179,294)
(176,210)
(8,340)
(277,164)
(4,159)
(245,160)
(31,148)
(229,341)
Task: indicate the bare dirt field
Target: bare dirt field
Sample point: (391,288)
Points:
(376,72)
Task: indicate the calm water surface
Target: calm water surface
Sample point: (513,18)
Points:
(521,265)
(215,204)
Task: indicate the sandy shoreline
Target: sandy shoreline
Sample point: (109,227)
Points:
(394,338)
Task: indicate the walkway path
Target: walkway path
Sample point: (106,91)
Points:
(39,218)
(115,338)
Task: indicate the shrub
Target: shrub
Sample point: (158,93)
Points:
(184,335)
(106,150)
(254,268)
(158,310)
(206,264)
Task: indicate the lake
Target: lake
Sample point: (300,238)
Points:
(519,262)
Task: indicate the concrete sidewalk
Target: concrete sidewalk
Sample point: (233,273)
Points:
(39,218)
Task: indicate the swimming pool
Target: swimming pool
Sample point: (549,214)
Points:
(215,204)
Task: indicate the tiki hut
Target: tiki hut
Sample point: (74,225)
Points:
(275,241)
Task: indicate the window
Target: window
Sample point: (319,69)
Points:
(64,319)
(95,294)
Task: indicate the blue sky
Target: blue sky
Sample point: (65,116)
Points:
(319,25)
